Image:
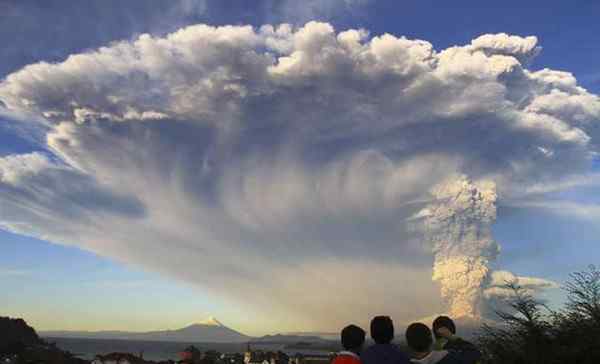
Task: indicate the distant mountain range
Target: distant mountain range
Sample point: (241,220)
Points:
(209,331)
(288,339)
(213,331)
(319,334)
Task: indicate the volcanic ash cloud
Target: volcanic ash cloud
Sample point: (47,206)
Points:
(458,228)
(282,164)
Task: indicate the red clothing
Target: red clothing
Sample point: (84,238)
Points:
(346,357)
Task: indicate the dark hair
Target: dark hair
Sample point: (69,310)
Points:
(353,337)
(443,321)
(418,337)
(382,329)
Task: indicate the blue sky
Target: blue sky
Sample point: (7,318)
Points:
(64,287)
(67,288)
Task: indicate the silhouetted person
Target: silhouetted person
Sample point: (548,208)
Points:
(353,339)
(420,340)
(441,343)
(383,351)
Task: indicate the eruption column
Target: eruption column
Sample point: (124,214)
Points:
(458,229)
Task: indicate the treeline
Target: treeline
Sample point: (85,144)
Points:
(20,344)
(532,333)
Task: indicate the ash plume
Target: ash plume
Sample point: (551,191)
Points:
(458,228)
(283,160)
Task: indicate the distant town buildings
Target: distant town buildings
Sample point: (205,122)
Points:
(231,358)
(279,357)
(191,355)
(8,359)
(118,358)
(265,357)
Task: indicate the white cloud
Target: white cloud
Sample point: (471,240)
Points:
(572,182)
(501,278)
(579,210)
(522,48)
(14,168)
(264,164)
(498,294)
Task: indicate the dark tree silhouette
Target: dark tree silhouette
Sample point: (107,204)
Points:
(530,333)
(523,334)
(578,324)
(583,296)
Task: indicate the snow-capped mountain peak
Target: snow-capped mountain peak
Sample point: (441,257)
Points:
(210,330)
(211,321)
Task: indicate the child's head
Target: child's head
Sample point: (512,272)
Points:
(382,329)
(443,321)
(418,337)
(353,337)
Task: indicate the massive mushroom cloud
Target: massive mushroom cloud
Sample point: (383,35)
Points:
(267,160)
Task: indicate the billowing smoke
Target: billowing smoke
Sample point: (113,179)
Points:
(458,228)
(281,164)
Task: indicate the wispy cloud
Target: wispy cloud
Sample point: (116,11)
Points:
(562,184)
(14,273)
(567,209)
(121,284)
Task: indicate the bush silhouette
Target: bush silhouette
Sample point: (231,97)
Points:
(530,333)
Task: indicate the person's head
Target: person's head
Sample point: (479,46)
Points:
(443,321)
(382,329)
(418,337)
(353,338)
